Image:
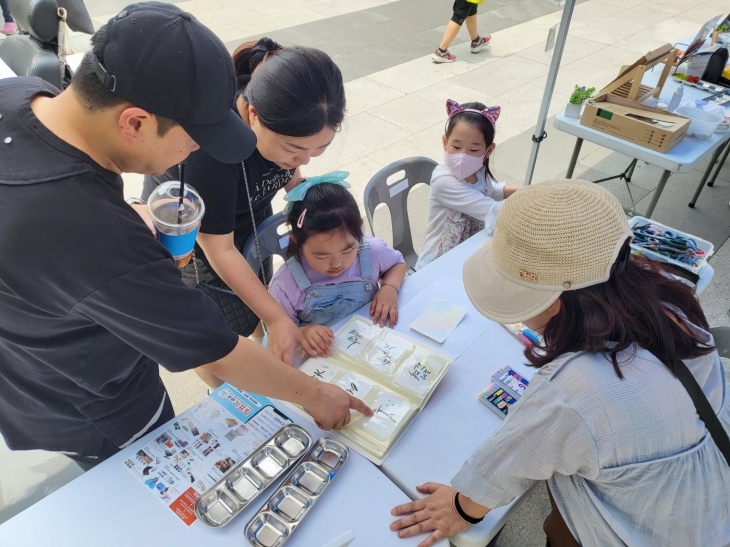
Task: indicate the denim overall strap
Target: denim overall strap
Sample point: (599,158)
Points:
(326,304)
(297,272)
(365,259)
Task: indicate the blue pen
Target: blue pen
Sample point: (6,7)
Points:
(533,336)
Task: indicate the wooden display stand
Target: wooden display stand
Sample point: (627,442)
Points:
(628,84)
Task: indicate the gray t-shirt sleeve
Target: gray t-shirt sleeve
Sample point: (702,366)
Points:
(541,436)
(153,311)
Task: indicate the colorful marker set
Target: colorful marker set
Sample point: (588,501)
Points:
(524,335)
(497,399)
(507,388)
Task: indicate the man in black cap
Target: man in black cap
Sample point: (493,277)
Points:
(89,300)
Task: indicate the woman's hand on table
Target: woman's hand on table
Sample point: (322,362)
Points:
(285,337)
(319,337)
(436,514)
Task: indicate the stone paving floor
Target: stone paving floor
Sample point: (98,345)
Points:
(396,97)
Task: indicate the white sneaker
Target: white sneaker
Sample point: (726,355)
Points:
(483,41)
(444,57)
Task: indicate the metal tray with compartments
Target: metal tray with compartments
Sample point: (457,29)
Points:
(227,498)
(285,509)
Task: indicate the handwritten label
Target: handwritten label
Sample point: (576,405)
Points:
(396,189)
(320,370)
(354,386)
(419,374)
(389,412)
(385,354)
(355,337)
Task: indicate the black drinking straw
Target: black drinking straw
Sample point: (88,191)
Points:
(182,193)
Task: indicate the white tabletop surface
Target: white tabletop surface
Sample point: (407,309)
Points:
(108,506)
(680,159)
(454,423)
(5,71)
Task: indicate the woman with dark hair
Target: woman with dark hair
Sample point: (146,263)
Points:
(293,99)
(613,418)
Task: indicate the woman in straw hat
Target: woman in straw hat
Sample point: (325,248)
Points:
(608,420)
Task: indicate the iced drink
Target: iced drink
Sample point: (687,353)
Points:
(176,222)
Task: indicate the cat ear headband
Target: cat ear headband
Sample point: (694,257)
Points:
(491,112)
(300,190)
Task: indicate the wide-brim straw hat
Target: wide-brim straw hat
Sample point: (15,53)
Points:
(550,237)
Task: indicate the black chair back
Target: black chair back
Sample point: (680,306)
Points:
(34,52)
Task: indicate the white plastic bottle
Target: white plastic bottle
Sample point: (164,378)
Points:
(676,98)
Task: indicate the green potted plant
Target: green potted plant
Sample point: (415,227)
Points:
(577,98)
(722,35)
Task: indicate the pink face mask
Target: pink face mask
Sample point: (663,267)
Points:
(463,165)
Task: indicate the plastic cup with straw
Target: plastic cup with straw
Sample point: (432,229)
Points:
(176,209)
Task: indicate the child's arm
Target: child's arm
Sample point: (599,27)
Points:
(466,199)
(385,304)
(509,190)
(462,197)
(285,292)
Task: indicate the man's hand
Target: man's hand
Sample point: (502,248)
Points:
(330,406)
(319,337)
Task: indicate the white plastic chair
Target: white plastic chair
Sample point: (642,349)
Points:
(394,194)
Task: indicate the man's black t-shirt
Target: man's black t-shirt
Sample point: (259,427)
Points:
(89,300)
(223,189)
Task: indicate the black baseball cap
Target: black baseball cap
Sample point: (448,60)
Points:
(163,60)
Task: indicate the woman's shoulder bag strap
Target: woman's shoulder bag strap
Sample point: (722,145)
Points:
(704,409)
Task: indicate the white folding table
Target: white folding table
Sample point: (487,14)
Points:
(454,423)
(5,71)
(680,159)
(109,506)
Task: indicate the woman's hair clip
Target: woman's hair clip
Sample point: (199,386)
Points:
(491,112)
(300,190)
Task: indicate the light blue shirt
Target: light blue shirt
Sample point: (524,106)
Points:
(628,461)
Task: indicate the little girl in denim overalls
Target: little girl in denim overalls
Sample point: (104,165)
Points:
(332,269)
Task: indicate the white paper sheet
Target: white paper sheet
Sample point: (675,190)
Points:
(439,320)
(450,289)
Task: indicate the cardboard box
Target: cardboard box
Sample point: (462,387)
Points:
(628,83)
(648,127)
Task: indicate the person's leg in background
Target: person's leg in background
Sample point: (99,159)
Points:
(9,27)
(477,41)
(463,11)
(556,529)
